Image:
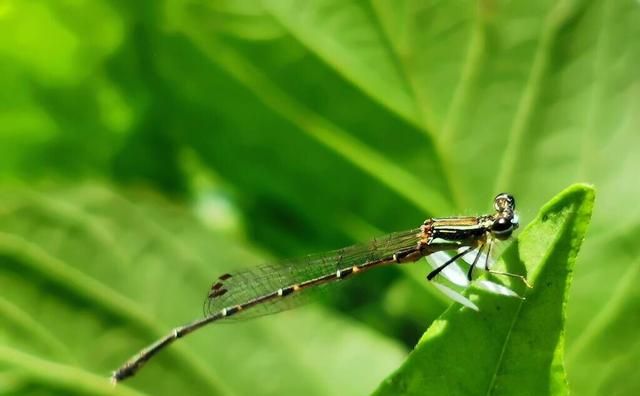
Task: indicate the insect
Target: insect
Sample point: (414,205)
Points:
(276,287)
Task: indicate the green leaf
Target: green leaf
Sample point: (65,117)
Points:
(354,43)
(331,122)
(511,346)
(88,279)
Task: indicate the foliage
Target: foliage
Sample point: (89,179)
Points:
(516,346)
(304,127)
(89,278)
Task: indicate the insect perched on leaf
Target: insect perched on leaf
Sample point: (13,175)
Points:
(276,287)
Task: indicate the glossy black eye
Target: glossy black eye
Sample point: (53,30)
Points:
(501,226)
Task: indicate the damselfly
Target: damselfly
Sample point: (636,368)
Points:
(276,287)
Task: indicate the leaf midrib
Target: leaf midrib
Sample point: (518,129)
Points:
(592,113)
(156,230)
(91,224)
(341,142)
(528,99)
(62,375)
(16,315)
(99,294)
(494,378)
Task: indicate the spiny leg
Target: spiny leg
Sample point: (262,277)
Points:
(475,261)
(486,266)
(486,260)
(521,277)
(436,271)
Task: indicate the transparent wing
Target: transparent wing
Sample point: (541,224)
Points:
(453,272)
(456,274)
(495,288)
(455,296)
(243,286)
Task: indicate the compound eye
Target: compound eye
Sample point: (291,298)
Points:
(501,226)
(504,201)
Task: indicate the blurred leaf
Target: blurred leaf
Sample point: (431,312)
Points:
(348,36)
(327,121)
(59,113)
(88,279)
(513,346)
(508,91)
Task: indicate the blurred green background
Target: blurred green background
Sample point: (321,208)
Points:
(147,147)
